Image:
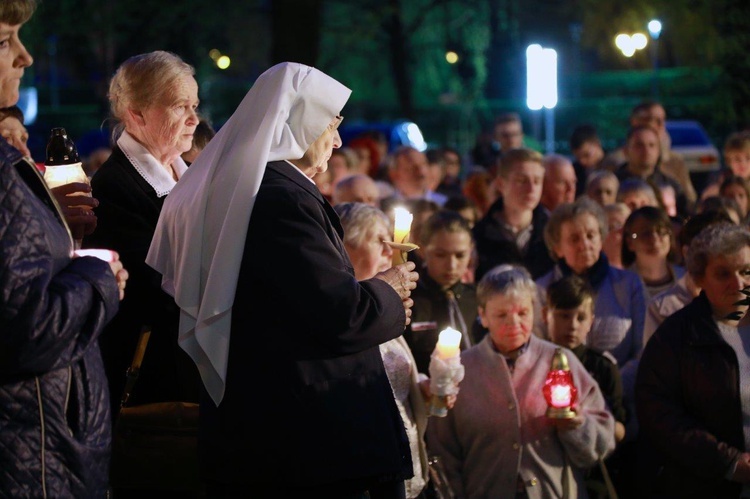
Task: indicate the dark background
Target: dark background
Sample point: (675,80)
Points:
(392,54)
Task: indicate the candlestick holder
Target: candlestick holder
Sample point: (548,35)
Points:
(400,250)
(559,390)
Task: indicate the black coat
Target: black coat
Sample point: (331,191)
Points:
(54,416)
(307,401)
(127,215)
(688,404)
(493,248)
(430,315)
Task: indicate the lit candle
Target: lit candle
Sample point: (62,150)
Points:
(401,228)
(57,175)
(559,390)
(448,343)
(561,396)
(102,254)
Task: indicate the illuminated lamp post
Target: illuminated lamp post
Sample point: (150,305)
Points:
(654,29)
(541,87)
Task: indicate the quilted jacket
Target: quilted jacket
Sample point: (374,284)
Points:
(54,412)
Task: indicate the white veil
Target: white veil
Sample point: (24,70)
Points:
(199,240)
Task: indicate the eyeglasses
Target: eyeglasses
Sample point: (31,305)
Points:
(656,232)
(336,124)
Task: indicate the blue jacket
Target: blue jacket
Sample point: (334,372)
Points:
(54,415)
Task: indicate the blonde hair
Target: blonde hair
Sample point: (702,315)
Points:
(737,142)
(515,157)
(144,80)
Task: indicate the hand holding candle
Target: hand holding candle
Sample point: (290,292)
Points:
(115,265)
(446,370)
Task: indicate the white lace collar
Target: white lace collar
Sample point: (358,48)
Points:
(148,167)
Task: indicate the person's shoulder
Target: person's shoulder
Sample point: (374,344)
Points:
(544,281)
(604,359)
(624,277)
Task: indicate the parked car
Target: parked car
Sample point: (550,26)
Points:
(690,139)
(398,133)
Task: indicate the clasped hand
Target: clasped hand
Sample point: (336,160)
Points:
(402,278)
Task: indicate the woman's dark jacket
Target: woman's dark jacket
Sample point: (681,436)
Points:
(307,402)
(688,404)
(54,415)
(126,219)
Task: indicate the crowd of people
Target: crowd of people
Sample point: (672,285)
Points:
(261,258)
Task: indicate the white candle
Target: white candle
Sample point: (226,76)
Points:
(101,254)
(402,225)
(448,343)
(401,228)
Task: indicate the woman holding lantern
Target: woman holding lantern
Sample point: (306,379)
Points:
(296,400)
(503,437)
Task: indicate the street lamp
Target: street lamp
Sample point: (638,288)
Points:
(628,44)
(541,87)
(654,29)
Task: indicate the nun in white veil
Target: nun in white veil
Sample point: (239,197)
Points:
(285,338)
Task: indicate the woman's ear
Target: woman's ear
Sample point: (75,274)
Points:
(136,117)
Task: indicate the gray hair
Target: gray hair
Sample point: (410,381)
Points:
(505,279)
(357,219)
(144,80)
(716,239)
(569,211)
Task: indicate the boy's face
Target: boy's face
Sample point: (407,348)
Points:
(522,189)
(509,319)
(447,256)
(568,327)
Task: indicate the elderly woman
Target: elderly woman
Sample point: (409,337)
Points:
(497,441)
(154,97)
(54,413)
(285,336)
(692,385)
(366,233)
(649,249)
(574,237)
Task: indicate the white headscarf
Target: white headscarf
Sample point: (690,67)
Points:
(199,240)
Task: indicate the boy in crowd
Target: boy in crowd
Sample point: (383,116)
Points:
(512,231)
(569,314)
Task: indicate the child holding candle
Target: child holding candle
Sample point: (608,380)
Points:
(441,300)
(497,440)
